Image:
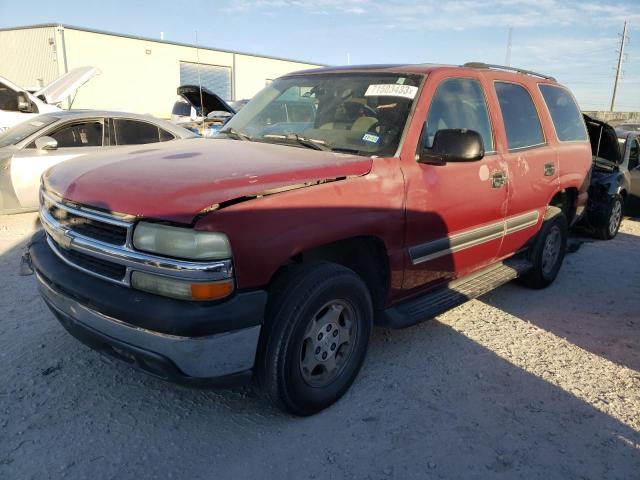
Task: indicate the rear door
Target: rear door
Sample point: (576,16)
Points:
(532,164)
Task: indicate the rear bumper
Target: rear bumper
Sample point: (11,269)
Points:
(219,358)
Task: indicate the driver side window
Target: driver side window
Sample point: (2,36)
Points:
(459,103)
(86,134)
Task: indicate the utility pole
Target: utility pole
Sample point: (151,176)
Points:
(623,40)
(507,60)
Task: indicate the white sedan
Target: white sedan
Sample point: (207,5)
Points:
(31,147)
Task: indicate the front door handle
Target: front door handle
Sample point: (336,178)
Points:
(498,179)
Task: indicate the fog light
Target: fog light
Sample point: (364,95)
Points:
(181,289)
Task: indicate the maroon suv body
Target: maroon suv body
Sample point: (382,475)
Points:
(271,250)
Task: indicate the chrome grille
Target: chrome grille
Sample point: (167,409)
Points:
(100,244)
(104,232)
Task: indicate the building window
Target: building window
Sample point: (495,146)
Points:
(214,78)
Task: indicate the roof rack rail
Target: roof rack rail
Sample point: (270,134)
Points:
(511,69)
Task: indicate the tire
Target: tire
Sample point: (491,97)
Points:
(611,224)
(318,325)
(548,250)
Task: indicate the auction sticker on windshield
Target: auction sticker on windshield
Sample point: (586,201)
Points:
(391,90)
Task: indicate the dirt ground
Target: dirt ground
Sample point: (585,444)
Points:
(518,384)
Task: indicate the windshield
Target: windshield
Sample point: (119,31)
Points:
(25,129)
(349,112)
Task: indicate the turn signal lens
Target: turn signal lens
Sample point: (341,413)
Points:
(211,291)
(181,289)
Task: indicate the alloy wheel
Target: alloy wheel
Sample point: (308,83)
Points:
(551,250)
(328,342)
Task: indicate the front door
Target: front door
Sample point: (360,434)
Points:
(455,212)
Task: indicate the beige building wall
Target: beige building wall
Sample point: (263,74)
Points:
(252,73)
(138,75)
(29,58)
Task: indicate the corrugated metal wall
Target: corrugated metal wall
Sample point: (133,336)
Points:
(214,78)
(29,57)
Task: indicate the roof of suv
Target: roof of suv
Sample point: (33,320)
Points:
(425,68)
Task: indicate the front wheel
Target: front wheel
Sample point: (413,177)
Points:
(547,253)
(315,338)
(612,221)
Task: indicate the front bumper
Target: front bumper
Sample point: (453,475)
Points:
(103,316)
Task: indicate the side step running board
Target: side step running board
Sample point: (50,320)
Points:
(455,293)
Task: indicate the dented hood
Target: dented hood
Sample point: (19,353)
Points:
(64,86)
(178,180)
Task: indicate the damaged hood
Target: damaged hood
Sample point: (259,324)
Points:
(64,86)
(178,180)
(210,101)
(604,140)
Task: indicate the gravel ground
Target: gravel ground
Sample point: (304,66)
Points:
(520,383)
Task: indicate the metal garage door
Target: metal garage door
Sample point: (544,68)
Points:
(217,79)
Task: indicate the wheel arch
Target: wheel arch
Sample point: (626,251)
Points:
(366,255)
(565,199)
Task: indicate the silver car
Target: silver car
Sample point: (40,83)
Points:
(31,147)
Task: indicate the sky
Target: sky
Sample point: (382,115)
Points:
(575,41)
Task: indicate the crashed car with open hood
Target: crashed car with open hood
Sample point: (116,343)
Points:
(335,198)
(18,105)
(200,110)
(610,180)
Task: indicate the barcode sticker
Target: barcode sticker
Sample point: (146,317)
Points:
(391,90)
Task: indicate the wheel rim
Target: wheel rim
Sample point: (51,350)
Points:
(551,250)
(615,218)
(328,343)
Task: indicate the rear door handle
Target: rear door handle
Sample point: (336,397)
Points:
(549,169)
(498,179)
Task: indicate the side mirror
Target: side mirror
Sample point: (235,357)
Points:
(24,104)
(46,143)
(452,145)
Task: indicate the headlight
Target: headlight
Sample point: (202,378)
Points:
(181,242)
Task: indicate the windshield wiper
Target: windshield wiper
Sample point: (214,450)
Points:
(305,142)
(235,134)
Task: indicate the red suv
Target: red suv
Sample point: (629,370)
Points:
(336,199)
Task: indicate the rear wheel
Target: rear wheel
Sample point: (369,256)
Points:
(547,253)
(611,223)
(316,337)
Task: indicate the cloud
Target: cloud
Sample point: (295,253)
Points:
(459,15)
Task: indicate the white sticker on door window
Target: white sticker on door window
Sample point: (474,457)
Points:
(391,90)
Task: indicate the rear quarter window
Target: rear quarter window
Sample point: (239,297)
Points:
(134,132)
(565,114)
(520,116)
